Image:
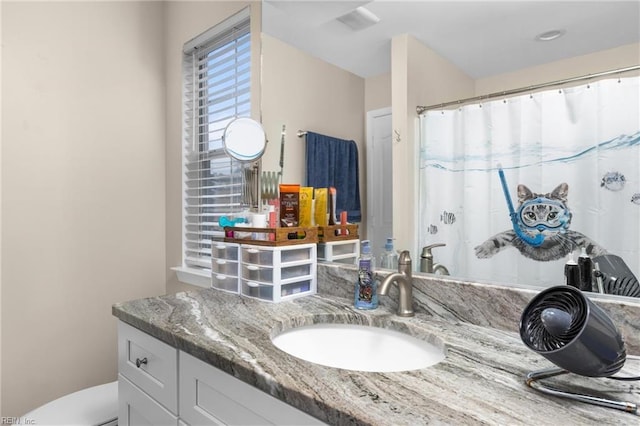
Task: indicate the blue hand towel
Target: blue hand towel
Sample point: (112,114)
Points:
(334,162)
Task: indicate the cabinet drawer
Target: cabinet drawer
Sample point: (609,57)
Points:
(211,396)
(150,364)
(137,408)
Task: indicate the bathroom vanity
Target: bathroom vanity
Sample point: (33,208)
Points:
(210,359)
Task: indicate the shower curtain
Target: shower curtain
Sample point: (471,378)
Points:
(574,153)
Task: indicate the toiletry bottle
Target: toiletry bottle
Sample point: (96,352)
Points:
(585,265)
(572,273)
(389,259)
(366,291)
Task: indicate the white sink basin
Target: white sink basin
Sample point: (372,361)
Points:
(359,347)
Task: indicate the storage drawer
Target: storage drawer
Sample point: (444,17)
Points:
(257,273)
(274,256)
(298,253)
(296,288)
(275,293)
(225,251)
(224,267)
(339,251)
(225,282)
(257,256)
(257,290)
(268,274)
(150,364)
(137,408)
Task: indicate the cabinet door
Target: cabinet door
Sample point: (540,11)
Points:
(135,408)
(211,396)
(150,364)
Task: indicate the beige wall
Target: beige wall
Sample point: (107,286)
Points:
(305,93)
(611,59)
(419,77)
(185,20)
(377,92)
(83,188)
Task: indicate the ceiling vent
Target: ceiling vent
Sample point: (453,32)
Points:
(359,19)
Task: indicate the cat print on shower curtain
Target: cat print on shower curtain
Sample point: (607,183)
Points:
(547,214)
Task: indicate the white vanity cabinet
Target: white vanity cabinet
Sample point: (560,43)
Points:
(149,391)
(147,379)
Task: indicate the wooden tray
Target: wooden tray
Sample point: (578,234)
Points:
(336,232)
(274,236)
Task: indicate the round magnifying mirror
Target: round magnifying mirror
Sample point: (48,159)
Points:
(244,139)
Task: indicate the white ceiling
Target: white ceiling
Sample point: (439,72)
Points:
(483,38)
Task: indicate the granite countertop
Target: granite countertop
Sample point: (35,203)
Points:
(481,381)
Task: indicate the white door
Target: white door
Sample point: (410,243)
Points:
(379,179)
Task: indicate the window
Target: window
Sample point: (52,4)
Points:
(216,74)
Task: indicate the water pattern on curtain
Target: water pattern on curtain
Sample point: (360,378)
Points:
(579,146)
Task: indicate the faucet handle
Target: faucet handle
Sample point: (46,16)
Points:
(426,251)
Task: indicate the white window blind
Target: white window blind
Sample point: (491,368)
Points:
(216,72)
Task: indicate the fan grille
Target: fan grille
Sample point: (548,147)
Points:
(622,286)
(533,332)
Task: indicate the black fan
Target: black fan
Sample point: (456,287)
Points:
(616,276)
(564,326)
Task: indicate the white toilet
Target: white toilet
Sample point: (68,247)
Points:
(96,406)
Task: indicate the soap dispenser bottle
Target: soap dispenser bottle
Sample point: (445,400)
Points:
(389,258)
(366,291)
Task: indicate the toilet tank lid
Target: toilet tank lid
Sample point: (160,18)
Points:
(92,406)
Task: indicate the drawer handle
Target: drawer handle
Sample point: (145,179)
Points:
(139,361)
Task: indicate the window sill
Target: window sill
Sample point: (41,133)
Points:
(193,276)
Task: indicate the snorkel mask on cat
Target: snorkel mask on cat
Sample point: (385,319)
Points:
(526,218)
(543,214)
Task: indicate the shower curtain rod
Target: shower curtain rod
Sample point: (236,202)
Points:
(302,133)
(421,109)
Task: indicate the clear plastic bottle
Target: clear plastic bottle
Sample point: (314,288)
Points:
(366,289)
(389,259)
